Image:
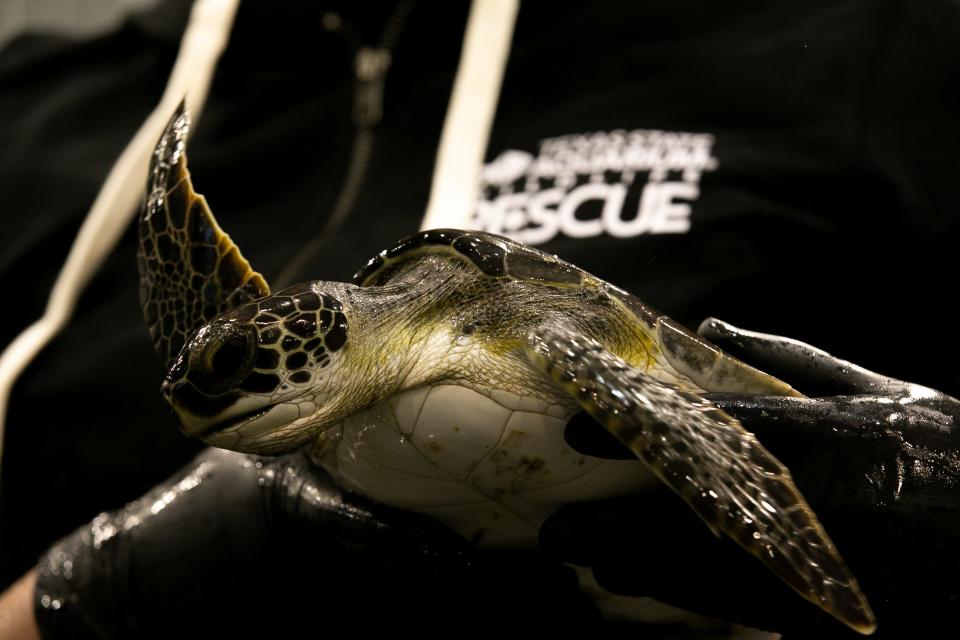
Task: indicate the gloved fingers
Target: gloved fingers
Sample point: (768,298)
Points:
(156,557)
(826,420)
(836,418)
(921,416)
(308,510)
(861,452)
(810,370)
(791,423)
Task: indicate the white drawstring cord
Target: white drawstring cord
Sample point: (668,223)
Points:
(203,41)
(473,103)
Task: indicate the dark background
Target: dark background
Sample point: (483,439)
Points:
(832,217)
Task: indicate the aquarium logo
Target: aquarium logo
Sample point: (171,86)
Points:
(620,183)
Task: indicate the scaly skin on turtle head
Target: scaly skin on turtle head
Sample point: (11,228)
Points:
(259,377)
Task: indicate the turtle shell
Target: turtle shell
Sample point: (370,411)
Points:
(495,256)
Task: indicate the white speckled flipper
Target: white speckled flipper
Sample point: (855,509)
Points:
(721,470)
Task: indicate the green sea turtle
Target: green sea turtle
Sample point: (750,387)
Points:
(442,378)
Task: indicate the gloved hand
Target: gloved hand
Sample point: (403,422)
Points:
(878,459)
(242,545)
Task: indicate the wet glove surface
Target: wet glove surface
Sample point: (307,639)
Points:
(247,545)
(878,459)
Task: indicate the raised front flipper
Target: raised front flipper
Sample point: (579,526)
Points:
(190,270)
(721,470)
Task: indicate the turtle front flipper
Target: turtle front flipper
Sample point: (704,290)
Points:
(721,470)
(190,270)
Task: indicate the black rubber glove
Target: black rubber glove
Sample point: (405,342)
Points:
(244,545)
(878,459)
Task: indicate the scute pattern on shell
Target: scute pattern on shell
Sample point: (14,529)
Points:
(494,256)
(273,344)
(190,270)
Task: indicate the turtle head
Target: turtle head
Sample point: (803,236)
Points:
(265,376)
(246,370)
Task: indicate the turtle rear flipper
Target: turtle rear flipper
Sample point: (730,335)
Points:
(190,270)
(721,470)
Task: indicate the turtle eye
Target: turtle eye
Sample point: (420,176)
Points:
(225,359)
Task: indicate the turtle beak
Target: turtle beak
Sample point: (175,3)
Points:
(198,413)
(179,396)
(232,421)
